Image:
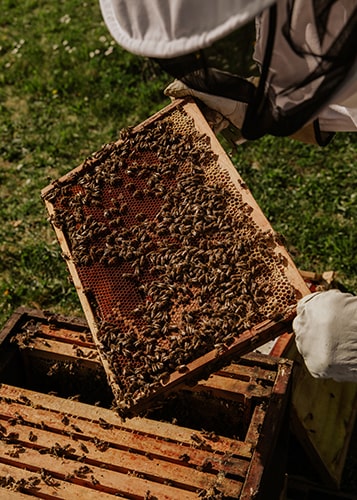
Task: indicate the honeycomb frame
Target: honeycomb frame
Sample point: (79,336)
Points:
(176,266)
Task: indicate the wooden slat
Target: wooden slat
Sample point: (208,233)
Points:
(66,335)
(232,388)
(165,465)
(59,488)
(111,481)
(137,424)
(248,372)
(239,381)
(54,350)
(255,427)
(11,324)
(282,344)
(120,442)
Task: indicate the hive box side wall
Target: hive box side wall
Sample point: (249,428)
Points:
(259,483)
(323,415)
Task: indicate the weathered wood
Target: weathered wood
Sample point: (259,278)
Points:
(51,410)
(71,336)
(61,351)
(323,414)
(269,426)
(130,458)
(232,388)
(324,420)
(134,458)
(54,487)
(81,433)
(129,477)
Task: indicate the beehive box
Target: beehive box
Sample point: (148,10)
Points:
(56,447)
(43,351)
(176,266)
(324,421)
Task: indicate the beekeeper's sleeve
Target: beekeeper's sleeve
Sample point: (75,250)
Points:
(326,334)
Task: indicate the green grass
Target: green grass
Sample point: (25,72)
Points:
(66,88)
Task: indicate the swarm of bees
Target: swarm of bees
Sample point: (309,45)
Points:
(167,252)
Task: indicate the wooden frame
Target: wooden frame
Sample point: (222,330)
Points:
(245,341)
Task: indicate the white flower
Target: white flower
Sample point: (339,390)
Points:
(109,51)
(94,53)
(17,46)
(65,19)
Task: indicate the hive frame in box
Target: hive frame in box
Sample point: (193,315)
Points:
(249,337)
(52,445)
(57,445)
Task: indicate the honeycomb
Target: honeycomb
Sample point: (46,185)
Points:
(167,253)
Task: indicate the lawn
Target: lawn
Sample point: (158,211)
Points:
(66,88)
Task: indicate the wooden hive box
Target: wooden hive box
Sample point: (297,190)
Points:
(323,411)
(220,438)
(176,266)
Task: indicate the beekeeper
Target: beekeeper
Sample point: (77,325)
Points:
(307,88)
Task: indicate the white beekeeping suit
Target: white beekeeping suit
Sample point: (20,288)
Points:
(326,334)
(306,49)
(307,54)
(172,28)
(339,113)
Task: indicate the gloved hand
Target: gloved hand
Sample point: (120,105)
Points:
(221,112)
(227,115)
(326,334)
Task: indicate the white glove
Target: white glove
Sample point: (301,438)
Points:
(226,111)
(326,334)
